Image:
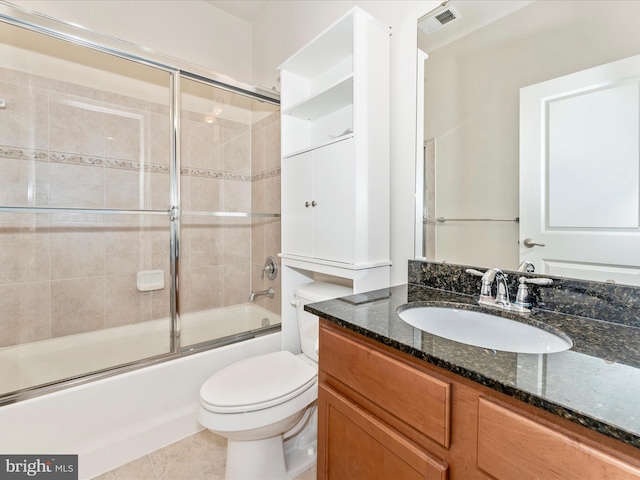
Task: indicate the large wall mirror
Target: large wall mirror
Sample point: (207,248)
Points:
(509,84)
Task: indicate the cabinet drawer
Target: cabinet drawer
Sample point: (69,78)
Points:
(512,446)
(356,445)
(417,398)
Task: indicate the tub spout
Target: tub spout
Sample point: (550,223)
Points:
(270,292)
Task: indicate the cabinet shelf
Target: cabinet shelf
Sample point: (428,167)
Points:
(320,145)
(331,99)
(301,262)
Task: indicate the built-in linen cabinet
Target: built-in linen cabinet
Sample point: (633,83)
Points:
(319,201)
(335,162)
(335,147)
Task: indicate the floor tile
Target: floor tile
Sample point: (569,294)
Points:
(140,469)
(308,475)
(201,456)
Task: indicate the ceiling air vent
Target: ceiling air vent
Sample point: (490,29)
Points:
(437,18)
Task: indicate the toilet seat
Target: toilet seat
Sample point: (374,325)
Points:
(257,383)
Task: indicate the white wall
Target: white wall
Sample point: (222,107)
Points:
(189,30)
(286,26)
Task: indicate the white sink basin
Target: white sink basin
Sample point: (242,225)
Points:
(483,330)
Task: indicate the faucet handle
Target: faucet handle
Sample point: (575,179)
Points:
(537,281)
(523,302)
(485,289)
(270,268)
(475,272)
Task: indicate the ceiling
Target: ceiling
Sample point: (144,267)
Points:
(247,10)
(475,14)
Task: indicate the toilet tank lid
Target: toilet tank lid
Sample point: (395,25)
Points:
(319,291)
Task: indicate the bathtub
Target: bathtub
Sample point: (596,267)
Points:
(112,421)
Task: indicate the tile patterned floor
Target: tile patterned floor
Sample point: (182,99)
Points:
(198,457)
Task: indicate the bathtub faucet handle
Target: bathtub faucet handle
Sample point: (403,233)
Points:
(271,267)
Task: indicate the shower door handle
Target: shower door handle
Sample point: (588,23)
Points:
(174,214)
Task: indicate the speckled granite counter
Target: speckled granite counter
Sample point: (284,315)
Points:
(596,383)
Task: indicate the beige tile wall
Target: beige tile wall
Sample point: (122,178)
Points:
(64,145)
(265,198)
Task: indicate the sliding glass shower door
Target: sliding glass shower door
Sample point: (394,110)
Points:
(85,170)
(227,140)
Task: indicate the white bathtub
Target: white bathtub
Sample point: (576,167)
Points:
(112,421)
(37,363)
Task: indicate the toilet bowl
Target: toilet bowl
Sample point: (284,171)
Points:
(266,405)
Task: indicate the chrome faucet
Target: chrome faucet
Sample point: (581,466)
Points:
(502,290)
(522,303)
(270,292)
(526,266)
(491,275)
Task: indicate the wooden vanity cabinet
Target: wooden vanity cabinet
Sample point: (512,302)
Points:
(359,446)
(513,445)
(386,415)
(376,414)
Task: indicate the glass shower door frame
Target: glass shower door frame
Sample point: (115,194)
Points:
(22,18)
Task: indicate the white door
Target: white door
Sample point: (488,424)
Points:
(318,202)
(580,174)
(334,196)
(297,236)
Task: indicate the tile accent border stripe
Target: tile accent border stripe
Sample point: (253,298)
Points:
(17,154)
(91,161)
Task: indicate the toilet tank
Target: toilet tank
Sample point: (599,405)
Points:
(308,323)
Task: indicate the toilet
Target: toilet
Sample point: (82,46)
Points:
(266,405)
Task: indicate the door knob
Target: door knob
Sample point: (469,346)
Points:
(530,243)
(314,203)
(306,204)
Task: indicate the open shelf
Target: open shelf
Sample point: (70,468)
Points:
(329,48)
(333,98)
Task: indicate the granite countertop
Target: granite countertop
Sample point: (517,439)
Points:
(595,384)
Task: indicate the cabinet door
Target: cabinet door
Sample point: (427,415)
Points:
(425,403)
(353,444)
(511,445)
(297,236)
(334,191)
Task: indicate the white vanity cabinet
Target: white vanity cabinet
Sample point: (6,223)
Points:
(335,146)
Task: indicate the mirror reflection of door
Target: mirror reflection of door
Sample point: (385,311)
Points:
(580,174)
